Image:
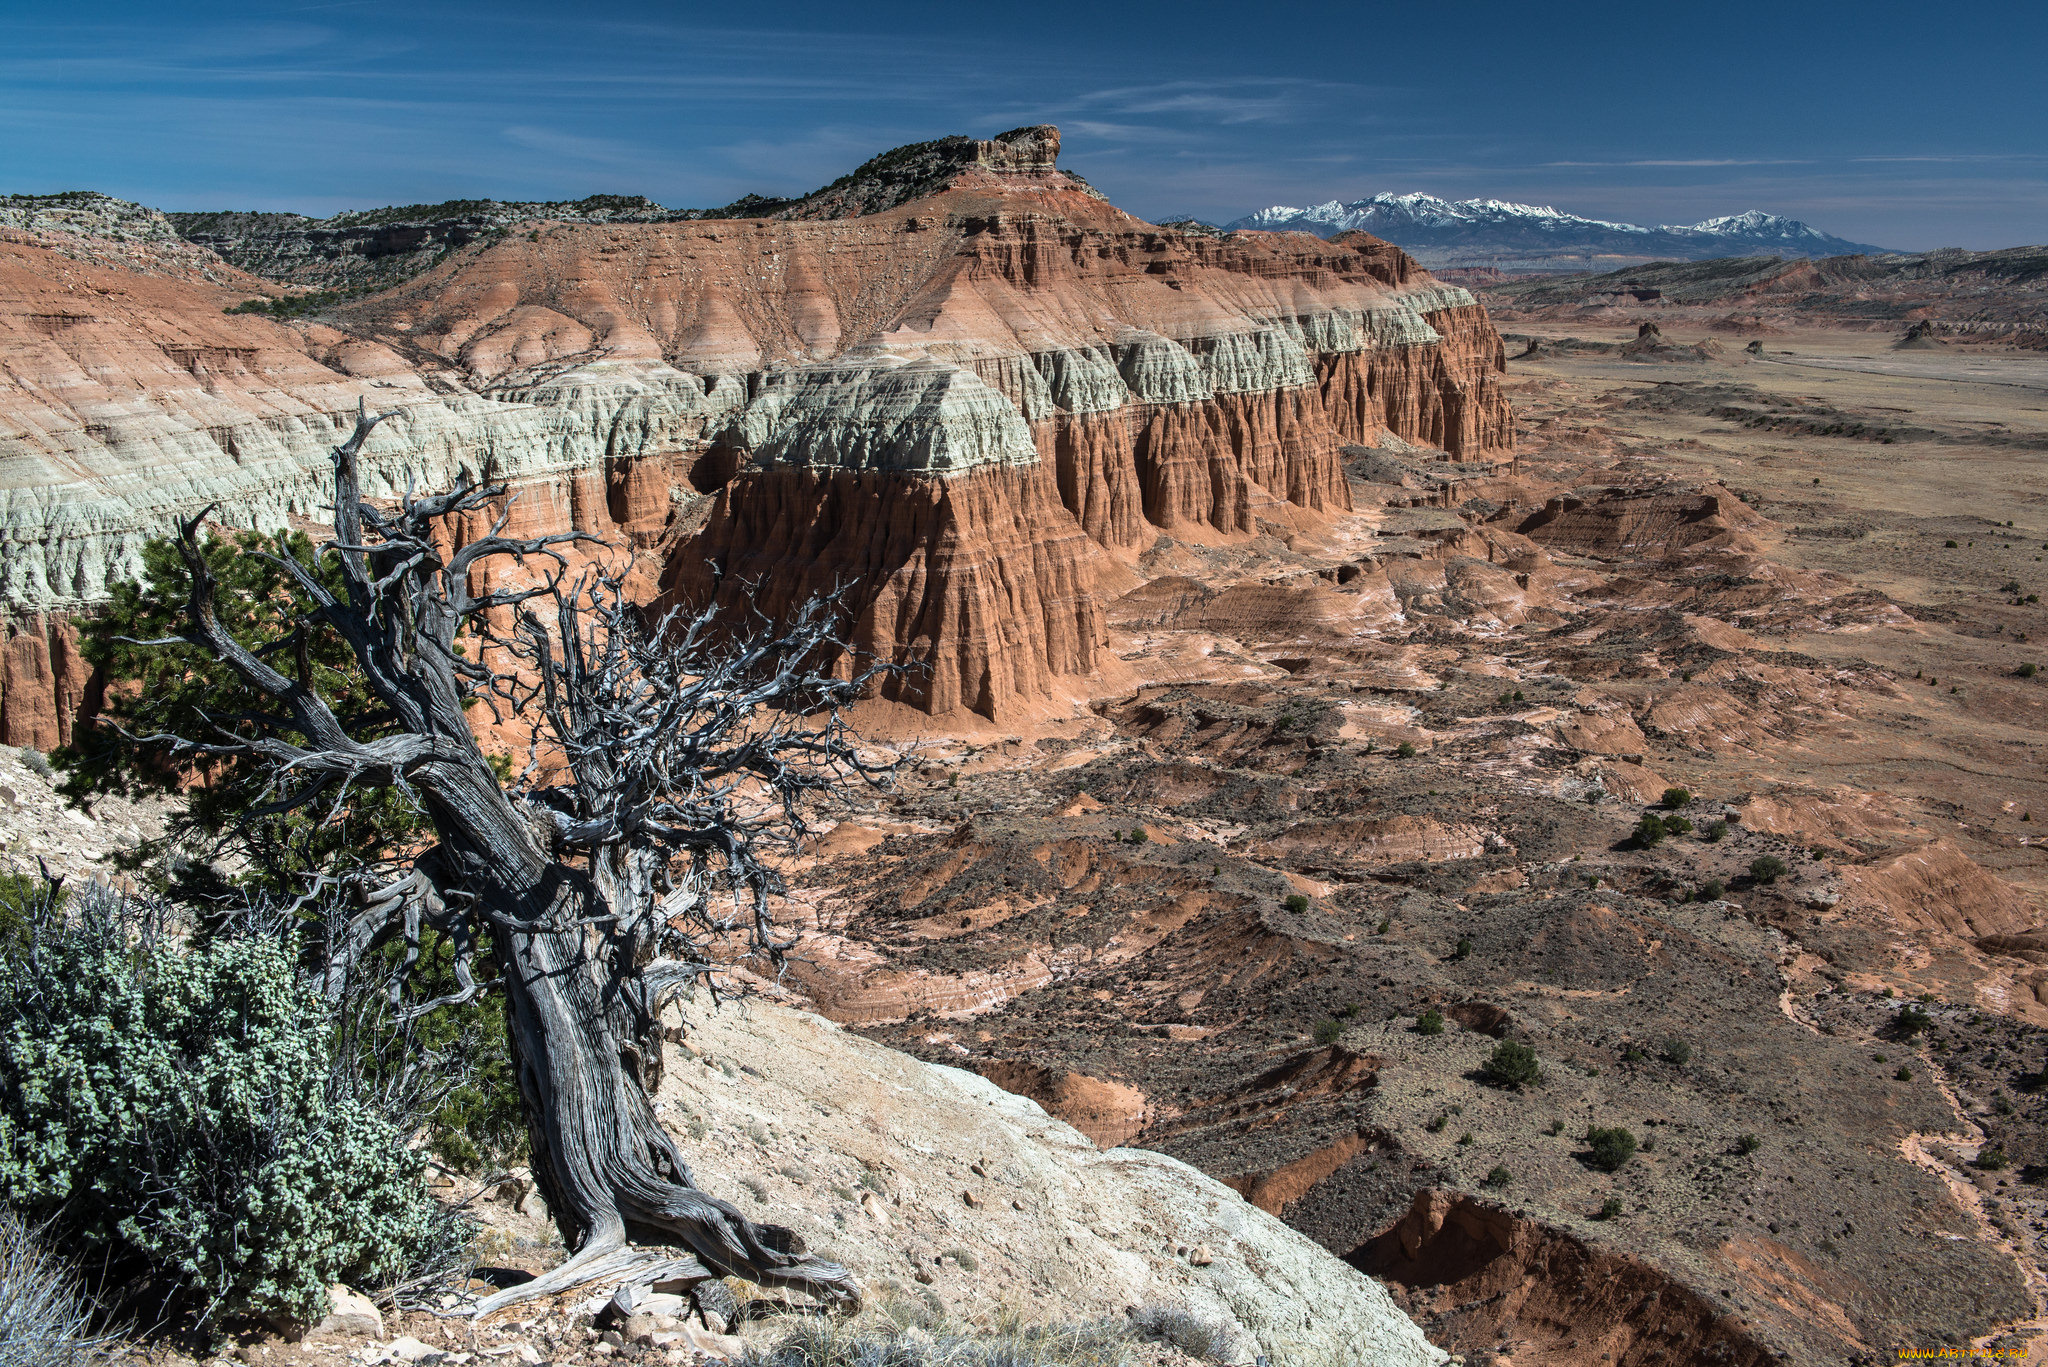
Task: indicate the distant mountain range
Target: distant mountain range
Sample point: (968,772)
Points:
(1444,233)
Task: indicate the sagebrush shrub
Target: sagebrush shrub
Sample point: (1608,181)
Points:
(43,1312)
(177,1104)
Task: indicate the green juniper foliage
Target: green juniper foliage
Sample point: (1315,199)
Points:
(180,690)
(175,1102)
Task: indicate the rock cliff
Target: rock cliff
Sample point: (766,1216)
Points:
(981,393)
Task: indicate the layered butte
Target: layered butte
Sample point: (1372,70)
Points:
(973,406)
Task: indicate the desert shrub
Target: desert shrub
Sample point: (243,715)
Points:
(1556,1127)
(1715,833)
(1676,1052)
(1498,1177)
(1676,797)
(1747,1143)
(1610,1209)
(1910,1021)
(1611,1147)
(1467,1140)
(1329,1030)
(1713,890)
(1190,1333)
(1436,1126)
(1677,825)
(1904,1074)
(1767,868)
(1634,1055)
(1463,949)
(1430,1022)
(1649,831)
(43,1311)
(2027,670)
(182,1108)
(1406,750)
(34,761)
(1296,903)
(1991,1159)
(1512,1064)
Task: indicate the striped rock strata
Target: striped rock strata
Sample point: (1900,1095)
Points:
(1083,382)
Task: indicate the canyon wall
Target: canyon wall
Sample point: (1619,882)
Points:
(1078,383)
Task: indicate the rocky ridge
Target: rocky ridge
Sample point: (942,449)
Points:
(359,250)
(1534,238)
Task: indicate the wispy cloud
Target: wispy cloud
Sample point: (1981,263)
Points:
(1247,100)
(1691,161)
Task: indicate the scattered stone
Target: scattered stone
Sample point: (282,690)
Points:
(350,1315)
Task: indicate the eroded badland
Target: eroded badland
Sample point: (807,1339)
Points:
(1296,658)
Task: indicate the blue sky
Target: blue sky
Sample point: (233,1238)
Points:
(1908,126)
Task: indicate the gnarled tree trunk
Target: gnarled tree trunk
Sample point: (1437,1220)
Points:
(672,753)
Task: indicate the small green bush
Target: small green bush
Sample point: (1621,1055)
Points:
(1634,1055)
(1556,1127)
(1747,1143)
(1513,1065)
(1991,1159)
(1436,1126)
(1910,1021)
(1610,1209)
(1430,1022)
(1466,1140)
(179,1106)
(1715,833)
(1649,831)
(1463,949)
(1904,1074)
(1296,903)
(1713,890)
(1676,1052)
(2027,670)
(1329,1031)
(1406,750)
(1611,1147)
(1677,825)
(1676,797)
(1499,1177)
(1767,868)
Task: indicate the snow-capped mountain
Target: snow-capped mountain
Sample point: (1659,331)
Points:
(1494,232)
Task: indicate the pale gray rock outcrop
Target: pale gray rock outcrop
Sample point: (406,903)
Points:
(1253,362)
(875,410)
(1082,379)
(985,1201)
(1158,369)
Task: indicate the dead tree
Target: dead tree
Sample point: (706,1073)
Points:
(668,761)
